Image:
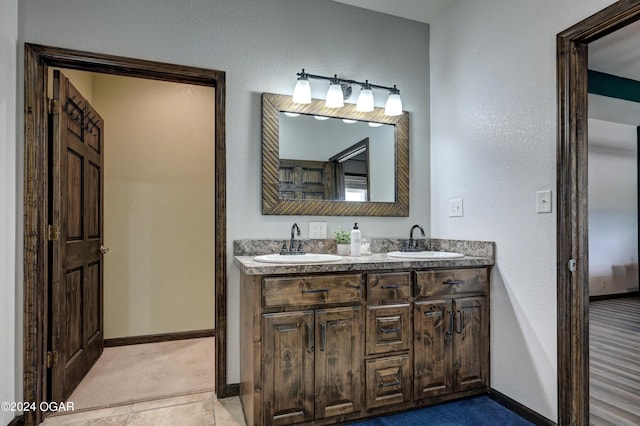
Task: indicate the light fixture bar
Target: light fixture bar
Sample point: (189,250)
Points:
(343,81)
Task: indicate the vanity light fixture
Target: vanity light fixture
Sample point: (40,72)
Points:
(302,91)
(340,89)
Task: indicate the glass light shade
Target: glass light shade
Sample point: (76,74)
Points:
(393,106)
(320,117)
(334,96)
(365,101)
(302,91)
(349,121)
(374,124)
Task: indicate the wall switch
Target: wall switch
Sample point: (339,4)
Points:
(318,230)
(455,207)
(543,201)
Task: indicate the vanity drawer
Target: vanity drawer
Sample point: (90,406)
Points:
(388,328)
(451,282)
(389,286)
(311,290)
(388,381)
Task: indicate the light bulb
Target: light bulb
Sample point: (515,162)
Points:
(365,99)
(302,91)
(394,103)
(335,98)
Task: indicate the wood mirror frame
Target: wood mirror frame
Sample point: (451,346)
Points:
(272,105)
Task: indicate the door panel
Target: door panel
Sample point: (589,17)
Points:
(470,347)
(288,367)
(339,362)
(432,350)
(76,205)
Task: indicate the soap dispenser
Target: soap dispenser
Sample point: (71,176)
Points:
(356,237)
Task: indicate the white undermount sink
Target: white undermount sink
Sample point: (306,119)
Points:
(425,255)
(298,258)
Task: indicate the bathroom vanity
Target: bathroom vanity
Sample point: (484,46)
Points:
(360,337)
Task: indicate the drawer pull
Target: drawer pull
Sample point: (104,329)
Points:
(390,286)
(315,290)
(386,385)
(389,330)
(323,336)
(454,282)
(461,322)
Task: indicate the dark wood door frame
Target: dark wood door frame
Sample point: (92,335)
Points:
(37,60)
(572,215)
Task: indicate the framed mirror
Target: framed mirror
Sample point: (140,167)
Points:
(333,162)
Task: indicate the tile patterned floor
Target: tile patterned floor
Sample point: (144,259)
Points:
(200,409)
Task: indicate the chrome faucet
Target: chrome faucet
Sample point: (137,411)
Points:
(410,246)
(295,230)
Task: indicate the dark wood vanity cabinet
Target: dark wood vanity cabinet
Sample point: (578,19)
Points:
(451,332)
(328,348)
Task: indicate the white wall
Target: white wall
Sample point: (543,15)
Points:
(613,206)
(493,143)
(261,45)
(8,325)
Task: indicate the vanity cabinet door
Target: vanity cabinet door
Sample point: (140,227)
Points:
(339,361)
(287,367)
(433,327)
(470,343)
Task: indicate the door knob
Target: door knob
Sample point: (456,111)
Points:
(104,249)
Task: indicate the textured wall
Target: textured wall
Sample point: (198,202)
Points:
(493,143)
(159,213)
(8,351)
(261,45)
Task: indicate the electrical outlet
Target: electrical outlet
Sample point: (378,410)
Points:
(543,201)
(318,230)
(455,207)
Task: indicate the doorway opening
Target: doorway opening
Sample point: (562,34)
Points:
(573,215)
(38,60)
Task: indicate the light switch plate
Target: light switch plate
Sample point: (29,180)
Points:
(318,230)
(543,201)
(455,207)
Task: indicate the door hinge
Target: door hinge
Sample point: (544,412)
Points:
(51,105)
(53,232)
(52,359)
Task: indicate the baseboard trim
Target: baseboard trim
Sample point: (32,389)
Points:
(521,410)
(17,421)
(614,296)
(230,389)
(154,338)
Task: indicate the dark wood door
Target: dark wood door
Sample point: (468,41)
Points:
(433,322)
(288,355)
(470,343)
(339,363)
(304,180)
(76,206)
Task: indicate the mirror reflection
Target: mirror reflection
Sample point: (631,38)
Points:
(325,158)
(309,167)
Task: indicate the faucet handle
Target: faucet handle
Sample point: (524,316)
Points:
(300,246)
(284,249)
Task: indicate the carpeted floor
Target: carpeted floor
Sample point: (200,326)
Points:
(477,411)
(127,374)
